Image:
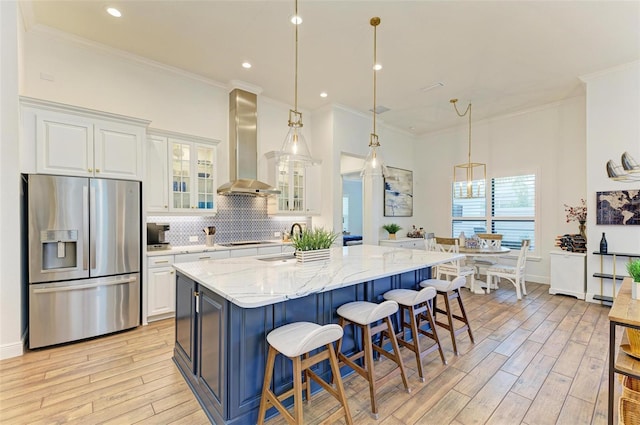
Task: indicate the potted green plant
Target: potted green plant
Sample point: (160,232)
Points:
(633,267)
(314,244)
(392,228)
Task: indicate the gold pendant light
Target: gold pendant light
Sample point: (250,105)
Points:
(373,165)
(294,148)
(469,179)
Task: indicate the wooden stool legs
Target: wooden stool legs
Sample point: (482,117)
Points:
(415,314)
(302,366)
(367,370)
(448,296)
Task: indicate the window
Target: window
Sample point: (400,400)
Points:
(511,213)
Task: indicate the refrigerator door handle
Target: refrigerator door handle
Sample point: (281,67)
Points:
(92,227)
(85,227)
(87,286)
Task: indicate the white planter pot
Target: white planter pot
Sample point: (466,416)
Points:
(310,256)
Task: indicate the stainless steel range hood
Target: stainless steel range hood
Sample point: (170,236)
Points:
(243,147)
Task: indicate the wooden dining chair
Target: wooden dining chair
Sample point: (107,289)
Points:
(487,241)
(514,274)
(455,268)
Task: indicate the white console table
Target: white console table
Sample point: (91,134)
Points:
(568,273)
(410,243)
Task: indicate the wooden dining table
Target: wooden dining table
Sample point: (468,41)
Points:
(483,252)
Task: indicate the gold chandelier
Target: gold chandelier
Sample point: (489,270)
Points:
(469,178)
(373,165)
(294,148)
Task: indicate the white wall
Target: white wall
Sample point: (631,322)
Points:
(12,319)
(548,141)
(351,132)
(613,127)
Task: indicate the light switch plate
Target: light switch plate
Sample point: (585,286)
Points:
(193,239)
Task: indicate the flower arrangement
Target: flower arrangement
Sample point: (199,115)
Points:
(578,213)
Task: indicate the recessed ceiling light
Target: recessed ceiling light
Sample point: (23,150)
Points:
(377,67)
(114,12)
(324,94)
(246,65)
(296,19)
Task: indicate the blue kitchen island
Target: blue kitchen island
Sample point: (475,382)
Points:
(225,308)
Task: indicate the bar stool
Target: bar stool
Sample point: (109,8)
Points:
(293,341)
(415,307)
(450,290)
(364,315)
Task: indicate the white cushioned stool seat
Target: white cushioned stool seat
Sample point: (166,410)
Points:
(410,297)
(364,313)
(444,285)
(296,339)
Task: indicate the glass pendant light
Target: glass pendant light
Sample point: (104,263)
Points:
(468,178)
(294,148)
(373,165)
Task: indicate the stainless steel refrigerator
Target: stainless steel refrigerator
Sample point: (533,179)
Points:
(84,257)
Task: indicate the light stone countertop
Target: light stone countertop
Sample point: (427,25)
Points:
(250,282)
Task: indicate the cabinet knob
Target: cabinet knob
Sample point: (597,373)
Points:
(97,170)
(166,206)
(90,170)
(172,272)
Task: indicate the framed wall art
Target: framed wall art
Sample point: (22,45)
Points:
(398,193)
(618,207)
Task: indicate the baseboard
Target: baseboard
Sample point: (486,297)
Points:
(14,349)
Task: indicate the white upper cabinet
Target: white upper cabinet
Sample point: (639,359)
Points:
(299,188)
(156,175)
(180,173)
(75,141)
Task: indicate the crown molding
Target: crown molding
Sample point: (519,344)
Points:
(61,35)
(595,75)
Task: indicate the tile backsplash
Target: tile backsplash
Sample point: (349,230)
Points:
(239,218)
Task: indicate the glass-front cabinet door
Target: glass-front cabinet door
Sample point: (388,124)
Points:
(293,180)
(181,173)
(206,190)
(193,174)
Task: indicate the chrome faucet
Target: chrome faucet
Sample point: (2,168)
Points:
(299,229)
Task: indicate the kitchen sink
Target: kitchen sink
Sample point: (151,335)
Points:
(279,258)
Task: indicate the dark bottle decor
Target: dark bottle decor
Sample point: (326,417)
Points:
(603,244)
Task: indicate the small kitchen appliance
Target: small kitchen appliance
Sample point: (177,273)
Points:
(156,236)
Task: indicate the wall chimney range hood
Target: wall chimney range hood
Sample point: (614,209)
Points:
(243,147)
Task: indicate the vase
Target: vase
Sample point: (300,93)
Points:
(582,229)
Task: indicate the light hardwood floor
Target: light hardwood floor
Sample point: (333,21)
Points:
(541,360)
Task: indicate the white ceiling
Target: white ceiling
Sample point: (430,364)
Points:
(500,55)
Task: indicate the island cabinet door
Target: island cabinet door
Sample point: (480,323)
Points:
(212,341)
(247,355)
(186,321)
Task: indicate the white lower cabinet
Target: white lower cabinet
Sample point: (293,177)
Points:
(568,275)
(161,291)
